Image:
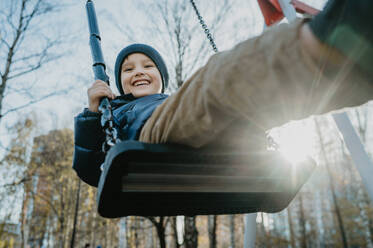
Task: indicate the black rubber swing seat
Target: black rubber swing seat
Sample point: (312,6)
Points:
(165,180)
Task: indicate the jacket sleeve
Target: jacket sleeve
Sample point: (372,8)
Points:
(88,139)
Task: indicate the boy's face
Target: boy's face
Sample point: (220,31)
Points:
(140,76)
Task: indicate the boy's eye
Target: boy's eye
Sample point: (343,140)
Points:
(149,66)
(127,69)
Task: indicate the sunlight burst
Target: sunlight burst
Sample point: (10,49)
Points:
(295,141)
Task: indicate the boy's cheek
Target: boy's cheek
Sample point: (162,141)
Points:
(126,88)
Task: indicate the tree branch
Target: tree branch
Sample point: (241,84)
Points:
(34,101)
(32,68)
(19,18)
(16,183)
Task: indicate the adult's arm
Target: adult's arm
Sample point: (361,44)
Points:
(346,25)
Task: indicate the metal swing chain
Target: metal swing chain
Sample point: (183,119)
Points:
(107,124)
(99,70)
(271,143)
(204,26)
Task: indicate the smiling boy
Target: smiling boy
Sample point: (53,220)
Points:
(141,77)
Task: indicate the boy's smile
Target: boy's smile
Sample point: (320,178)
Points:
(140,76)
(141,82)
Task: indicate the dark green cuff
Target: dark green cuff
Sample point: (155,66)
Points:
(347,26)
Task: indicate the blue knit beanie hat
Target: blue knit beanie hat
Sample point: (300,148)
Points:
(148,51)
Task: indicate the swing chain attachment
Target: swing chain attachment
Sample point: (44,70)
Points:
(107,124)
(204,26)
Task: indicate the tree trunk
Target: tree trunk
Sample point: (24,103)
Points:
(137,228)
(160,227)
(211,224)
(291,228)
(174,229)
(24,224)
(93,228)
(231,227)
(149,239)
(161,233)
(302,221)
(191,233)
(366,203)
(2,92)
(319,219)
(61,231)
(75,215)
(336,209)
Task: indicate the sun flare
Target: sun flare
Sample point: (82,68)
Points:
(295,141)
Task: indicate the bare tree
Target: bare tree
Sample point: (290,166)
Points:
(232,230)
(291,228)
(12,166)
(211,226)
(174,29)
(160,224)
(191,232)
(72,241)
(175,232)
(302,221)
(52,156)
(25,47)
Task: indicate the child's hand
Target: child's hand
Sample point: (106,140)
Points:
(98,90)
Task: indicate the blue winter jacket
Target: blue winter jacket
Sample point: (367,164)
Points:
(129,114)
